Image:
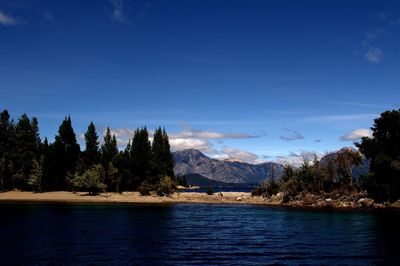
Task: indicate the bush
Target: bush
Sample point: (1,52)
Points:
(266,189)
(166,186)
(144,188)
(210,191)
(293,187)
(90,180)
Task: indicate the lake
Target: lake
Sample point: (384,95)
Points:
(195,234)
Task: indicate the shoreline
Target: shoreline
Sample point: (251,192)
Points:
(176,198)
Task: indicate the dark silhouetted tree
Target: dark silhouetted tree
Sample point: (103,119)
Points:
(91,155)
(383,151)
(140,154)
(109,151)
(65,154)
(6,150)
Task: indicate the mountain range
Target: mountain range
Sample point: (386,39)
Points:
(201,169)
(233,172)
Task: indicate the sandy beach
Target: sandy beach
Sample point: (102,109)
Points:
(132,197)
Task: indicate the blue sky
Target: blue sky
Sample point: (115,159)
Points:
(251,80)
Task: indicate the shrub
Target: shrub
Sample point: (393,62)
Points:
(144,188)
(166,186)
(90,180)
(266,189)
(210,191)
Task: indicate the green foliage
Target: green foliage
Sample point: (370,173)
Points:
(166,187)
(210,191)
(109,151)
(383,151)
(293,187)
(65,152)
(346,159)
(90,180)
(162,162)
(140,156)
(144,189)
(288,173)
(266,189)
(27,144)
(91,155)
(6,150)
(35,180)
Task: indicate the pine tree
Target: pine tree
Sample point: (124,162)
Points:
(141,156)
(162,160)
(27,147)
(91,154)
(109,151)
(65,154)
(168,159)
(6,150)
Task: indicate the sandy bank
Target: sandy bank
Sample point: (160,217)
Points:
(132,197)
(308,201)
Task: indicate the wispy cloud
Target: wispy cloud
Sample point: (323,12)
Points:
(118,11)
(7,20)
(192,133)
(356,134)
(293,135)
(367,105)
(337,118)
(374,55)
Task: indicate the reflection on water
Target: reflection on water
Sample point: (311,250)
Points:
(194,234)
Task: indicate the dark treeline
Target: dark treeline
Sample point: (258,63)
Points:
(28,163)
(381,150)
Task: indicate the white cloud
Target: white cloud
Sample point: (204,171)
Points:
(209,135)
(7,20)
(356,134)
(373,54)
(118,11)
(239,155)
(198,144)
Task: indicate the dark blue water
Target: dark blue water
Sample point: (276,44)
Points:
(194,234)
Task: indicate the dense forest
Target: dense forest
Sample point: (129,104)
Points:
(28,163)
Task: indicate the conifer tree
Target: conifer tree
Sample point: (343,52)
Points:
(65,153)
(141,156)
(27,147)
(6,149)
(162,161)
(109,151)
(91,154)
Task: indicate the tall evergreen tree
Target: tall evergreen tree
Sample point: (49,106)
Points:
(109,151)
(6,149)
(141,156)
(27,147)
(65,153)
(91,154)
(162,160)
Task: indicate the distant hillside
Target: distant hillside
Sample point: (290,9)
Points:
(194,162)
(203,182)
